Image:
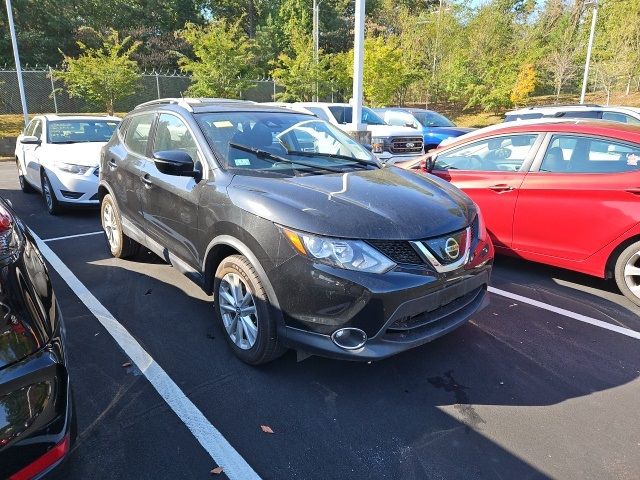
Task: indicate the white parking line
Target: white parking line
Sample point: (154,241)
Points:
(73,236)
(221,451)
(567,313)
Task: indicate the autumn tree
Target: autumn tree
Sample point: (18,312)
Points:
(104,74)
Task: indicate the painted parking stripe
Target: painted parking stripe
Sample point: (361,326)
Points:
(220,450)
(73,236)
(567,313)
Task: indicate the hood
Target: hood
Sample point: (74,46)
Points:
(391,131)
(447,131)
(84,153)
(388,203)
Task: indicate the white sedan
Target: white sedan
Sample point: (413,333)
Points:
(59,156)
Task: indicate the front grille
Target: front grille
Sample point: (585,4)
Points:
(435,321)
(401,145)
(398,251)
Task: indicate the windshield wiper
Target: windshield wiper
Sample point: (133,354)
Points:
(277,158)
(331,155)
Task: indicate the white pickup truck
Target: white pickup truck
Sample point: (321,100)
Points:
(390,144)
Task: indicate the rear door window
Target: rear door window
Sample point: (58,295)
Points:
(138,133)
(578,154)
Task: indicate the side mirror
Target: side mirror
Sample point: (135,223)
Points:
(30,140)
(426,164)
(175,162)
(411,125)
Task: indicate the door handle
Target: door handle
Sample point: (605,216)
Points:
(501,188)
(146,180)
(112,163)
(634,190)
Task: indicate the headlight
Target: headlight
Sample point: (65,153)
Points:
(377,144)
(71,168)
(347,254)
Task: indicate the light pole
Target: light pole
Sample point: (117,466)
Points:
(358,65)
(316,41)
(16,57)
(585,78)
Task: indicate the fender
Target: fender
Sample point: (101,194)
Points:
(246,251)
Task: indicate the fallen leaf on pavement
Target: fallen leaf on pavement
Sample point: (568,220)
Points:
(266,428)
(126,364)
(217,471)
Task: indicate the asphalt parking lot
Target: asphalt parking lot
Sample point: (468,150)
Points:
(519,392)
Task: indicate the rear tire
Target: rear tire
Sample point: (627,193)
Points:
(49,196)
(119,244)
(250,330)
(24,185)
(627,272)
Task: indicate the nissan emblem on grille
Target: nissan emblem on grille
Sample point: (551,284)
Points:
(452,248)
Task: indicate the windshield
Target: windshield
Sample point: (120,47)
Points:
(344,114)
(267,142)
(77,131)
(432,119)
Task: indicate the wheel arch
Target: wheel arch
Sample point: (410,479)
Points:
(611,261)
(221,247)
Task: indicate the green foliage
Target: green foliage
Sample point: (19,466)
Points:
(298,72)
(225,59)
(104,74)
(386,74)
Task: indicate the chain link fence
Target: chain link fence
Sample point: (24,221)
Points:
(45,95)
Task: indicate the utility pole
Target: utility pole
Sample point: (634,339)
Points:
(316,42)
(16,57)
(585,78)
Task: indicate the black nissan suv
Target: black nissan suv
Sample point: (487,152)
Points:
(300,235)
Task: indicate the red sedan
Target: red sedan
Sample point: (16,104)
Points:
(562,193)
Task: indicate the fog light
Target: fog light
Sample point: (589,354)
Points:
(349,338)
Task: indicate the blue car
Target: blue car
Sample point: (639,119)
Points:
(435,127)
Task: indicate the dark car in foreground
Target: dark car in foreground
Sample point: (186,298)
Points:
(435,127)
(562,192)
(36,421)
(300,235)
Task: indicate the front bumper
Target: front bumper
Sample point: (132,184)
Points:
(75,189)
(399,310)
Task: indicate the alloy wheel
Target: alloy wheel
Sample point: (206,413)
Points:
(238,310)
(46,190)
(632,274)
(110,226)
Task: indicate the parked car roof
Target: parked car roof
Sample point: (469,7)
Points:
(567,125)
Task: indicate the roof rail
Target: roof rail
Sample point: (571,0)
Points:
(556,105)
(166,101)
(188,102)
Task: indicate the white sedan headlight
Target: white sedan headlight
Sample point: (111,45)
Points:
(347,254)
(71,168)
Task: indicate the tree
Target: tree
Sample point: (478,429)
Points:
(561,64)
(105,74)
(298,73)
(225,59)
(385,74)
(525,84)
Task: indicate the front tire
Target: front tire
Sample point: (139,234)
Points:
(627,272)
(48,194)
(24,185)
(120,245)
(243,311)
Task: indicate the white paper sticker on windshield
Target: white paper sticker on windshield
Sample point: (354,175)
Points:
(223,124)
(242,162)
